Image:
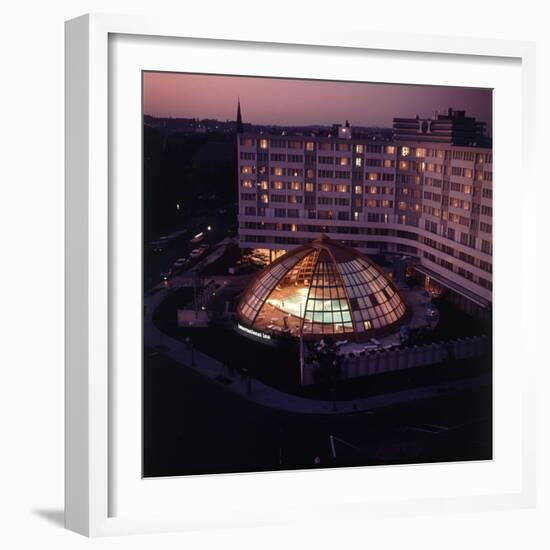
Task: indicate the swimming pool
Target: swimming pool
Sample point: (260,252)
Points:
(295,304)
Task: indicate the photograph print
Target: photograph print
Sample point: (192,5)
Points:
(317,274)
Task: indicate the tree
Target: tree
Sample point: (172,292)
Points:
(329,363)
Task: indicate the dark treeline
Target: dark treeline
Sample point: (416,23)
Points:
(194,171)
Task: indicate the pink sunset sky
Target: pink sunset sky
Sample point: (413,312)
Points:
(286,101)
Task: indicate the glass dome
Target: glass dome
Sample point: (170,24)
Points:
(322,288)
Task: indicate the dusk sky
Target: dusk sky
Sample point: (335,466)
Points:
(285,101)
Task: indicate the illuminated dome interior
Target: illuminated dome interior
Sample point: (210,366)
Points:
(322,288)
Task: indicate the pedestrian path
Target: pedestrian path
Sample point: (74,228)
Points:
(270,397)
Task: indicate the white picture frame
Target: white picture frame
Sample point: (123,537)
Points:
(94,441)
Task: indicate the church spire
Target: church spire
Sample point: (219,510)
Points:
(239,117)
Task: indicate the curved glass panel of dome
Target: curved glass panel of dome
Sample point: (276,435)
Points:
(373,297)
(284,307)
(322,288)
(327,310)
(265,283)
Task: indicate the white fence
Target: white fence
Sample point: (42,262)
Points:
(378,361)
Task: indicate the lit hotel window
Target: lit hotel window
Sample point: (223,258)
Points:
(356,216)
(247,169)
(264,185)
(247,184)
(293,227)
(390,149)
(367,324)
(373,176)
(344,161)
(296,186)
(310,146)
(359,148)
(264,199)
(420,152)
(405,151)
(340,188)
(326,187)
(402,205)
(467,189)
(278,171)
(373,189)
(403,165)
(310,187)
(417,207)
(278,185)
(388,163)
(371,203)
(358,189)
(358,161)
(263,144)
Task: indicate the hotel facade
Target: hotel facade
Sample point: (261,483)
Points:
(423,200)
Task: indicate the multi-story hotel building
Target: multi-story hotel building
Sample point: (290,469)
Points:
(420,198)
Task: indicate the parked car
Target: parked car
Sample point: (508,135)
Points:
(158,246)
(197,238)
